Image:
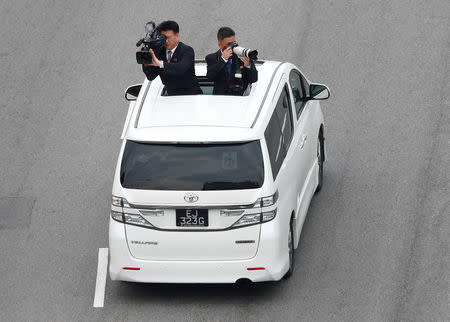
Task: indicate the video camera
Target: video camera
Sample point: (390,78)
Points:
(243,52)
(152,40)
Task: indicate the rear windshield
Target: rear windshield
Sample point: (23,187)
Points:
(192,166)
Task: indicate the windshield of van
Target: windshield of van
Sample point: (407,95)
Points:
(192,166)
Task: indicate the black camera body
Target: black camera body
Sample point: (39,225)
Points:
(153,40)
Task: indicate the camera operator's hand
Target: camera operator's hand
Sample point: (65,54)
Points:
(246,61)
(227,53)
(155,61)
(142,48)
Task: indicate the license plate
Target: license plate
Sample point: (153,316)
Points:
(192,217)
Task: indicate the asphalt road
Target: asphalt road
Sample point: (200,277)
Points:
(376,242)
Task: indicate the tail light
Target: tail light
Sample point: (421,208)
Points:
(264,216)
(127,218)
(266,201)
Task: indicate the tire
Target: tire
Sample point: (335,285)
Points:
(320,158)
(291,252)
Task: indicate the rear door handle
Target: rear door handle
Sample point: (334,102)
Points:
(302,141)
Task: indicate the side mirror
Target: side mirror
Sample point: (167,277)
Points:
(132,92)
(319,92)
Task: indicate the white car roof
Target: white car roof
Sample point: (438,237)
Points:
(202,118)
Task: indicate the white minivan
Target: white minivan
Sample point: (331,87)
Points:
(215,189)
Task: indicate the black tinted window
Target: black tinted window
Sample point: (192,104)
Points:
(192,167)
(305,86)
(274,142)
(283,112)
(298,91)
(278,133)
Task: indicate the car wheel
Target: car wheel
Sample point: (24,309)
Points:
(320,154)
(291,252)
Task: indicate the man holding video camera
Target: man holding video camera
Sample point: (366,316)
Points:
(231,74)
(174,63)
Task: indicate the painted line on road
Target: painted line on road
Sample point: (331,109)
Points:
(102,269)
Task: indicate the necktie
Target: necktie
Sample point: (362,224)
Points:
(169,55)
(229,66)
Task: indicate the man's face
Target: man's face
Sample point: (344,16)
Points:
(172,39)
(223,44)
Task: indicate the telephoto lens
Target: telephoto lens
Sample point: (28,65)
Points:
(242,51)
(246,52)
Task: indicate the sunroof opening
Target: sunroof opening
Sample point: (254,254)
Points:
(207,87)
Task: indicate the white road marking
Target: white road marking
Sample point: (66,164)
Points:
(102,269)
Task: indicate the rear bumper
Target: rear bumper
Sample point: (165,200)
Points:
(271,255)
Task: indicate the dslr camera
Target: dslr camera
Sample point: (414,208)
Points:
(243,52)
(153,40)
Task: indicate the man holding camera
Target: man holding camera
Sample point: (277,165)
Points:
(174,63)
(231,74)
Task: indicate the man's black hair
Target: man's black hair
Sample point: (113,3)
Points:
(169,25)
(225,32)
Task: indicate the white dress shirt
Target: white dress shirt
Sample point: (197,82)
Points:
(161,64)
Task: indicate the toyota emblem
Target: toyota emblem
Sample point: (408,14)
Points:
(190,197)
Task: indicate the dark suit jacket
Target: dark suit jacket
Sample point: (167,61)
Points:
(179,74)
(217,72)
